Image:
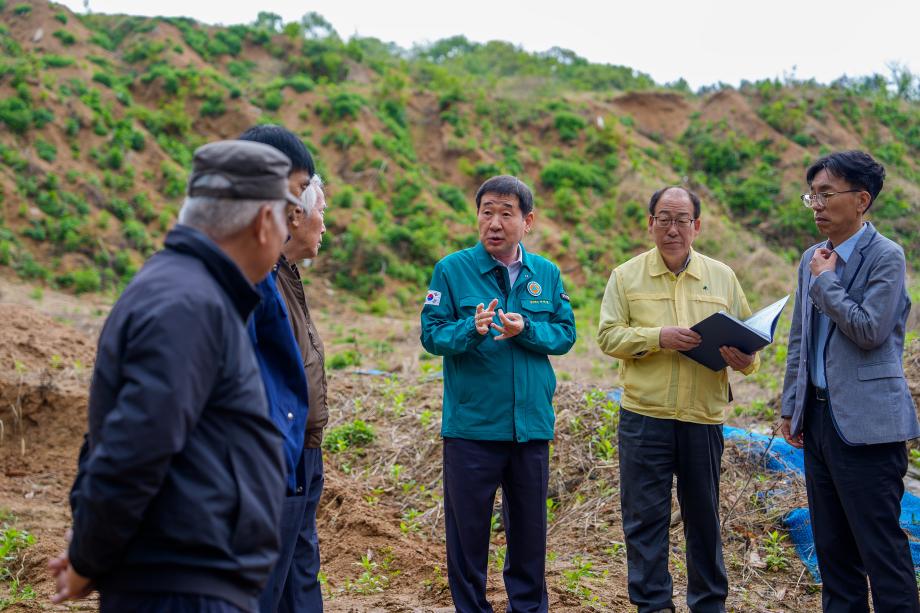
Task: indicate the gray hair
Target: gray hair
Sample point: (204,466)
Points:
(311,194)
(220,218)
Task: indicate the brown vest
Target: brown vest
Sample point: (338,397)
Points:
(311,349)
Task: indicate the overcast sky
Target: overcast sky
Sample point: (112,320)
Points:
(705,41)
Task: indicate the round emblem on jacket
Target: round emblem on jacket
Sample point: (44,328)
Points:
(534,289)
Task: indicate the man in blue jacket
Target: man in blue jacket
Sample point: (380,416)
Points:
(288,588)
(180,480)
(496,312)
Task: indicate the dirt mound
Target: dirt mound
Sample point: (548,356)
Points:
(38,342)
(731,106)
(666,114)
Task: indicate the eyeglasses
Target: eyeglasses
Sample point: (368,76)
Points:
(820,198)
(666,222)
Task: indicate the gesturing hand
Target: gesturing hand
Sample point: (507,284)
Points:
(484,316)
(679,339)
(822,260)
(512,325)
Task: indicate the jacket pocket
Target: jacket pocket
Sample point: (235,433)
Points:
(649,309)
(253,528)
(879,370)
(716,300)
(537,309)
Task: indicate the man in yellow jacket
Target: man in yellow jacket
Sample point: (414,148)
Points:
(672,407)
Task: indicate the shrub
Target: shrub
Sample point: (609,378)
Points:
(103,78)
(785,115)
(50,60)
(300,83)
(341,105)
(568,125)
(42,117)
(45,150)
(453,196)
(137,140)
(16,114)
(22,9)
(714,153)
(213,106)
(351,436)
(136,234)
(61,16)
(272,100)
(344,359)
(66,38)
(559,173)
(115,158)
(27,268)
(759,192)
(343,138)
(143,51)
(86,280)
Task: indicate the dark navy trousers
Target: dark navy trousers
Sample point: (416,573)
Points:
(854,499)
(294,583)
(652,451)
(473,471)
(160,602)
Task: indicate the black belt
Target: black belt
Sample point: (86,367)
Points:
(819,394)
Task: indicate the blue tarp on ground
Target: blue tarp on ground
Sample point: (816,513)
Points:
(780,456)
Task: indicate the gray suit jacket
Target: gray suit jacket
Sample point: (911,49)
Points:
(868,308)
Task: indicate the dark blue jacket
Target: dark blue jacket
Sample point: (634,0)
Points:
(282,373)
(181,477)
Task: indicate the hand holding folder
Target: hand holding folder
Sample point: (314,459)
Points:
(722,329)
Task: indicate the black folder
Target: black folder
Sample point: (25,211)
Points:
(723,329)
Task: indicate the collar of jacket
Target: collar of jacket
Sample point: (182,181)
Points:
(658,267)
(283,261)
(189,241)
(865,239)
(486,262)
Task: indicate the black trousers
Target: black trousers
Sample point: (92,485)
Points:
(651,452)
(854,498)
(473,471)
(159,602)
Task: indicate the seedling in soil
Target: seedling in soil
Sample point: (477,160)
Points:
(376,576)
(13,542)
(776,554)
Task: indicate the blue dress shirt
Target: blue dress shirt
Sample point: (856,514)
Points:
(822,323)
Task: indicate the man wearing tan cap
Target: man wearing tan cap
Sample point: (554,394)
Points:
(180,480)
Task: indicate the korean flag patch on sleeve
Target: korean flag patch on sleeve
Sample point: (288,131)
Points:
(433,298)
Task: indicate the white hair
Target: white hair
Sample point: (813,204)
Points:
(220,218)
(311,194)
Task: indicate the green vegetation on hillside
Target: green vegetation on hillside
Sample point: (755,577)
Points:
(100,118)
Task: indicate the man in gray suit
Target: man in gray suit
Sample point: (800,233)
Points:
(845,397)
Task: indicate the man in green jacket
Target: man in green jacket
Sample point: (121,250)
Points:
(496,312)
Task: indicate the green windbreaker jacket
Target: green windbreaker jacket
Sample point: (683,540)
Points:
(497,390)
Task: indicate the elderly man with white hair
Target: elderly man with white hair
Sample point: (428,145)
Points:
(302,591)
(181,477)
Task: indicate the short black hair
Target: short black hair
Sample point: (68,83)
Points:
(857,168)
(286,142)
(506,185)
(653,201)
